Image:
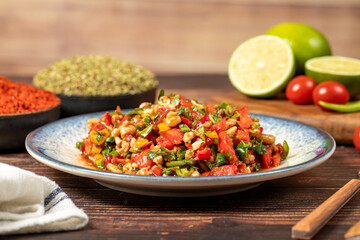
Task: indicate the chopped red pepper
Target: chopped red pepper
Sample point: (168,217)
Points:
(202,121)
(108,160)
(186,121)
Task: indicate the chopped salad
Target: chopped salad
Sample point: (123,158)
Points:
(180,137)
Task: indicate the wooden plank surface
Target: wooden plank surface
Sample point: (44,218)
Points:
(166,36)
(340,125)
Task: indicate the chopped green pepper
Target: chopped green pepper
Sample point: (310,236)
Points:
(285,152)
(180,163)
(349,107)
(143,133)
(79,145)
(184,128)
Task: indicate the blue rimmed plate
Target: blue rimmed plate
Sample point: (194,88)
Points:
(54,146)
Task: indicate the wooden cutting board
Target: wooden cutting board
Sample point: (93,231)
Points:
(340,125)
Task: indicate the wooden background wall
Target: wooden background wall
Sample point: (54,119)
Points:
(166,36)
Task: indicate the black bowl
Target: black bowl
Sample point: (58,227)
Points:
(75,105)
(15,127)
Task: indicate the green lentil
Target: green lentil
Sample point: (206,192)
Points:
(95,76)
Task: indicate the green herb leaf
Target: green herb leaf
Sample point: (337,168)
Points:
(259,148)
(220,159)
(151,155)
(223,105)
(161,93)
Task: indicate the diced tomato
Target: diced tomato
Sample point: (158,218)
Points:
(195,114)
(210,108)
(206,174)
(174,135)
(157,171)
(243,135)
(219,126)
(164,142)
(245,119)
(226,146)
(185,103)
(243,168)
(266,158)
(204,154)
(87,147)
(225,170)
(276,160)
(186,121)
(97,126)
(141,159)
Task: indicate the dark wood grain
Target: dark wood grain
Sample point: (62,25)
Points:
(266,212)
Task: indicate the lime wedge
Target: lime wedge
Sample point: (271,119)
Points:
(261,66)
(344,70)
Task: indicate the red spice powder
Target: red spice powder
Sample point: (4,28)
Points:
(21,97)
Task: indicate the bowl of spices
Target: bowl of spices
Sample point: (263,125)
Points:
(23,108)
(97,83)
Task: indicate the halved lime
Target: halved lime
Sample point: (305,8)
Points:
(344,70)
(261,66)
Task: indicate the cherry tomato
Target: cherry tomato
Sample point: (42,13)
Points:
(356,138)
(300,89)
(332,92)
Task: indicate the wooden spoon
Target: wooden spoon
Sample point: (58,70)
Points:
(353,232)
(312,223)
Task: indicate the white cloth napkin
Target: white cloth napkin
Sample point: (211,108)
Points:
(30,203)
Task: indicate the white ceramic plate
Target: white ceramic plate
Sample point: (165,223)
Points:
(54,146)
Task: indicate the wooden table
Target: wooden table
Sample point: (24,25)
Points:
(265,212)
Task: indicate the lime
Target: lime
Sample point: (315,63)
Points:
(344,70)
(305,41)
(261,66)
